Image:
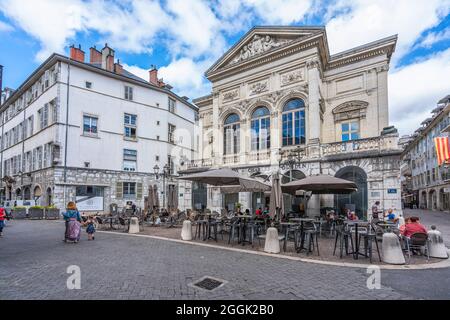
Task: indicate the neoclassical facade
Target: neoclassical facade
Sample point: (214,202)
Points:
(278,91)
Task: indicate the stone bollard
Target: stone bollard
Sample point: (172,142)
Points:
(391,249)
(134,225)
(186,231)
(437,246)
(272,243)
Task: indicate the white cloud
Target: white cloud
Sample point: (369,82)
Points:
(415,89)
(4,27)
(434,37)
(368,20)
(186,76)
(280,12)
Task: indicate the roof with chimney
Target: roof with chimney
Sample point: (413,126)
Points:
(114,70)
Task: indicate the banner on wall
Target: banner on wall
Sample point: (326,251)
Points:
(442,149)
(89,203)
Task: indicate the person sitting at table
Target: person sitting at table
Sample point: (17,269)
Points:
(391,216)
(411,226)
(247,212)
(352,216)
(331,215)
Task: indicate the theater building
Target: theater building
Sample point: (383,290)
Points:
(279,92)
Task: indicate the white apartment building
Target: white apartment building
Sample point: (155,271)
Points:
(91,132)
(277,92)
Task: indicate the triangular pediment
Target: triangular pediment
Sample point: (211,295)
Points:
(261,41)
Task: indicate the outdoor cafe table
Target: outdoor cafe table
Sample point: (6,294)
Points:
(301,221)
(387,226)
(356,223)
(244,218)
(208,217)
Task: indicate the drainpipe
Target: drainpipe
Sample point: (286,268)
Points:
(67,130)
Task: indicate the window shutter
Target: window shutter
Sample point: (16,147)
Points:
(119,190)
(138,190)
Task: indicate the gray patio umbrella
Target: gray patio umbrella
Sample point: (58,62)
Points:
(257,187)
(172,199)
(276,198)
(224,177)
(155,196)
(150,200)
(320,184)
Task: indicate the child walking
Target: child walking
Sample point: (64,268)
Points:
(90,229)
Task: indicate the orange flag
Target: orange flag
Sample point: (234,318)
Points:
(442,149)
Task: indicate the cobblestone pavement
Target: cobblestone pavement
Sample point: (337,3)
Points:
(34,260)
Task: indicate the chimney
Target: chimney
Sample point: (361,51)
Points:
(118,67)
(95,56)
(76,53)
(154,76)
(107,58)
(110,63)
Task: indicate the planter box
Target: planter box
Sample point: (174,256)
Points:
(36,213)
(52,214)
(19,213)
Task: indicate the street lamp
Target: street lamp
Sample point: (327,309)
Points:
(165,174)
(294,157)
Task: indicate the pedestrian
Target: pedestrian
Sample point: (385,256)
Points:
(2,220)
(376,211)
(73,223)
(90,229)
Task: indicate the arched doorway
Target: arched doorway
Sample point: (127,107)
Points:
(37,193)
(432,200)
(27,193)
(444,199)
(49,196)
(295,204)
(356,201)
(423,200)
(18,194)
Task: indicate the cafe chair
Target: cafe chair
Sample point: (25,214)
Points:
(311,234)
(417,241)
(369,236)
(343,236)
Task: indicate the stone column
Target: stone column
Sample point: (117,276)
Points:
(313,123)
(313,208)
(217,149)
(383,110)
(244,140)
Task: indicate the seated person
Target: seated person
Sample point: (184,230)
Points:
(411,226)
(391,216)
(353,216)
(247,212)
(331,215)
(266,211)
(258,212)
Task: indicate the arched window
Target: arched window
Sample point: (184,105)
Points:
(260,127)
(231,134)
(294,122)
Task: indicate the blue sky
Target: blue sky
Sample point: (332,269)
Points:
(184,37)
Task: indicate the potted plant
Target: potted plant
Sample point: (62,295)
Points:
(19,212)
(36,212)
(51,212)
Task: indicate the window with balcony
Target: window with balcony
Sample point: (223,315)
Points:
(350,130)
(129,160)
(293,119)
(260,129)
(231,134)
(130,125)
(90,125)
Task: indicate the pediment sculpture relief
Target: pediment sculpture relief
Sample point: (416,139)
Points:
(350,110)
(258,45)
